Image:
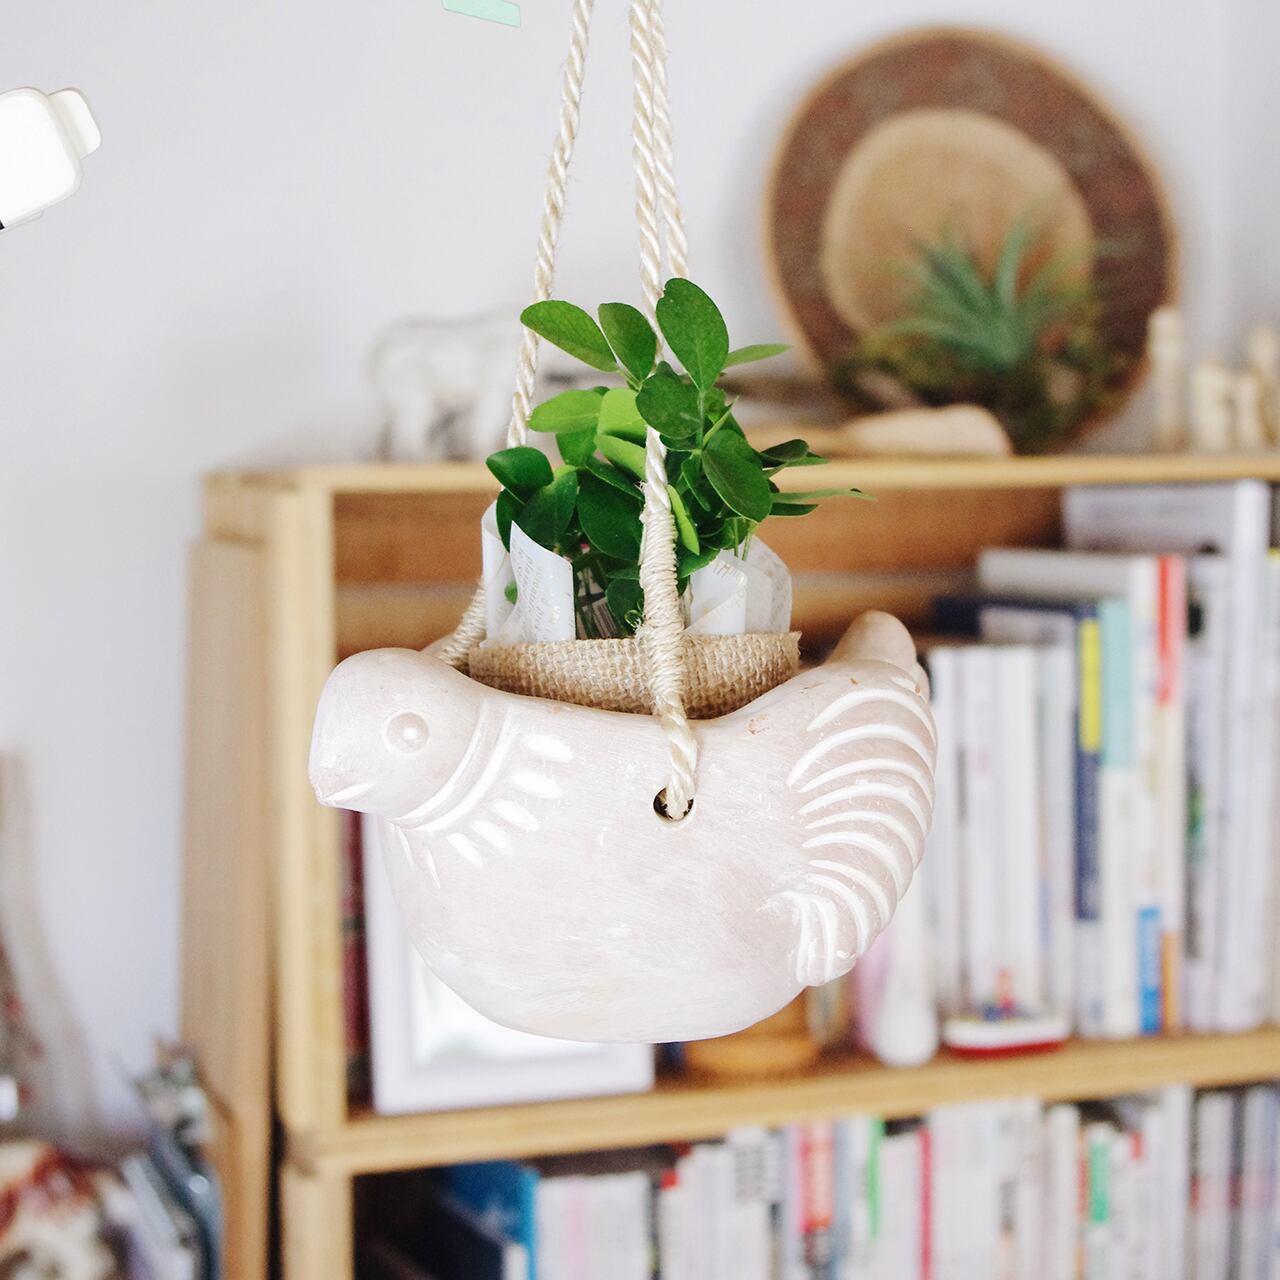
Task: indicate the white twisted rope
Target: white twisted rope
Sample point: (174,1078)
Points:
(661,636)
(664,164)
(643,152)
(470,630)
(553,201)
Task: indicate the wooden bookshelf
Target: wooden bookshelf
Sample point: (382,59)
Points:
(1049,471)
(297,568)
(687,1110)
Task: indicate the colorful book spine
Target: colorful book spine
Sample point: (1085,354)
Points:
(1090,969)
(1097,1185)
(1171,783)
(1122,924)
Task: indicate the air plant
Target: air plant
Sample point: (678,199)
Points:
(1027,348)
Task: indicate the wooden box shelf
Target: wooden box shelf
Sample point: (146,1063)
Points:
(687,1110)
(297,568)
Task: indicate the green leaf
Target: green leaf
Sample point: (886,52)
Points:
(792,508)
(521,469)
(694,330)
(670,405)
(626,603)
(786,452)
(808,460)
(610,519)
(547,515)
(572,330)
(577,447)
(756,351)
(611,475)
(569,411)
(616,569)
(688,563)
(1016,244)
(619,415)
(735,472)
(622,453)
(631,336)
(803,495)
(508,507)
(684,525)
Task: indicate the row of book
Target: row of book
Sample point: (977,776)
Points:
(1105,838)
(1161,1186)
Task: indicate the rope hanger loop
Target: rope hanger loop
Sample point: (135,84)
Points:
(660,222)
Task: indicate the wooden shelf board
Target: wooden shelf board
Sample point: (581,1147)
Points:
(686,1110)
(872,474)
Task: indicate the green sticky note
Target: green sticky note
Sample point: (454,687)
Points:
(491,10)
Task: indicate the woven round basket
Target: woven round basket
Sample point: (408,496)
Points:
(722,673)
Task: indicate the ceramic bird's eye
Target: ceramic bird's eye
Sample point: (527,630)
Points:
(407,732)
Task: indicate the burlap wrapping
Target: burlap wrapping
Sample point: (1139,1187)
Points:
(722,673)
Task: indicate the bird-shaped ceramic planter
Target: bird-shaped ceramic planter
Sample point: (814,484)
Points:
(538,881)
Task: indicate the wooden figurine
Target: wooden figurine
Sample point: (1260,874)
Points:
(1211,408)
(539,882)
(1250,432)
(1167,351)
(1264,364)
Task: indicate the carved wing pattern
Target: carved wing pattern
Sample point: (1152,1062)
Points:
(865,783)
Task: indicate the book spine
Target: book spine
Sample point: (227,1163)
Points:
(1176,1105)
(1240,994)
(926,1203)
(943,847)
(1059,1256)
(865,1134)
(819,1199)
(1271,748)
(1271,1251)
(1090,966)
(1019,872)
(1056,699)
(1206,703)
(1028,1188)
(1154,1159)
(1146,859)
(669,1212)
(1120,1205)
(982,827)
(1097,1218)
(1171,777)
(750,1204)
(794,1207)
(1119,811)
(1211,1190)
(844,1182)
(1259,1125)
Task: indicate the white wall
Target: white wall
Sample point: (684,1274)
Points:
(1254,158)
(276,182)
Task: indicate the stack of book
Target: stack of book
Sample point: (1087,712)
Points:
(1158,1186)
(1105,841)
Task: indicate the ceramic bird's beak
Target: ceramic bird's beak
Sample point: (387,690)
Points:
(347,746)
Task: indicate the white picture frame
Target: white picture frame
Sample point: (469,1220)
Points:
(430,1051)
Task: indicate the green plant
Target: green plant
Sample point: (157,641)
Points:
(1028,349)
(588,508)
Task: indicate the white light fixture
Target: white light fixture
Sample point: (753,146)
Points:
(43,138)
